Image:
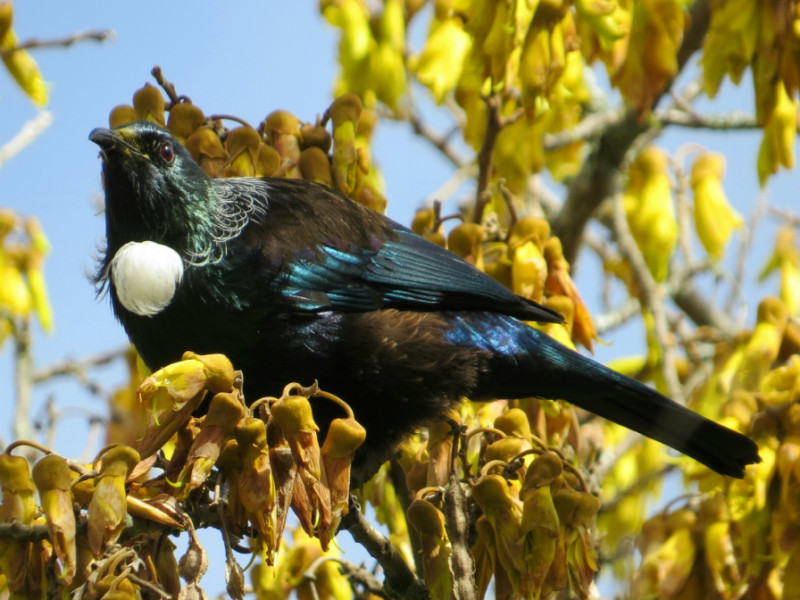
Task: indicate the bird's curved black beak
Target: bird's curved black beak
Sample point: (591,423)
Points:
(111,140)
(105,138)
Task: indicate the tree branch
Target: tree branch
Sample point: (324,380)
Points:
(456,520)
(23,366)
(440,142)
(77,367)
(651,297)
(701,310)
(495,121)
(400,581)
(594,183)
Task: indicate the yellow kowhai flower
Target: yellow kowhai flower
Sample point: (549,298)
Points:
(714,217)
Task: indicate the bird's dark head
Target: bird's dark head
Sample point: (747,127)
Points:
(154,189)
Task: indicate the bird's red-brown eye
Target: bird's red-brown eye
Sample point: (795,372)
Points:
(167,153)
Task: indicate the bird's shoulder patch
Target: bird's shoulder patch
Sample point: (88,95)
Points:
(145,276)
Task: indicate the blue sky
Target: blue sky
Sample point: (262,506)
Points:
(239,57)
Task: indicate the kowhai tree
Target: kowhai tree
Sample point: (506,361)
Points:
(524,497)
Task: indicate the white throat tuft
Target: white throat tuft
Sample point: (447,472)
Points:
(145,276)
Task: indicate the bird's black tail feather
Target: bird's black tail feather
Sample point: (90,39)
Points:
(530,363)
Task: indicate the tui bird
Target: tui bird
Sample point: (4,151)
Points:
(293,282)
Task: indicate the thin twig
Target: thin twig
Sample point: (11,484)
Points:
(151,587)
(354,573)
(735,120)
(638,485)
(607,321)
(682,203)
(787,216)
(610,457)
(27,134)
(495,121)
(77,367)
(453,184)
(438,141)
(540,199)
(510,203)
(745,243)
(651,296)
(167,86)
(99,35)
(441,142)
(234,118)
(592,127)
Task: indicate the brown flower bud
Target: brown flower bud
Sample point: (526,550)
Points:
(184,119)
(149,104)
